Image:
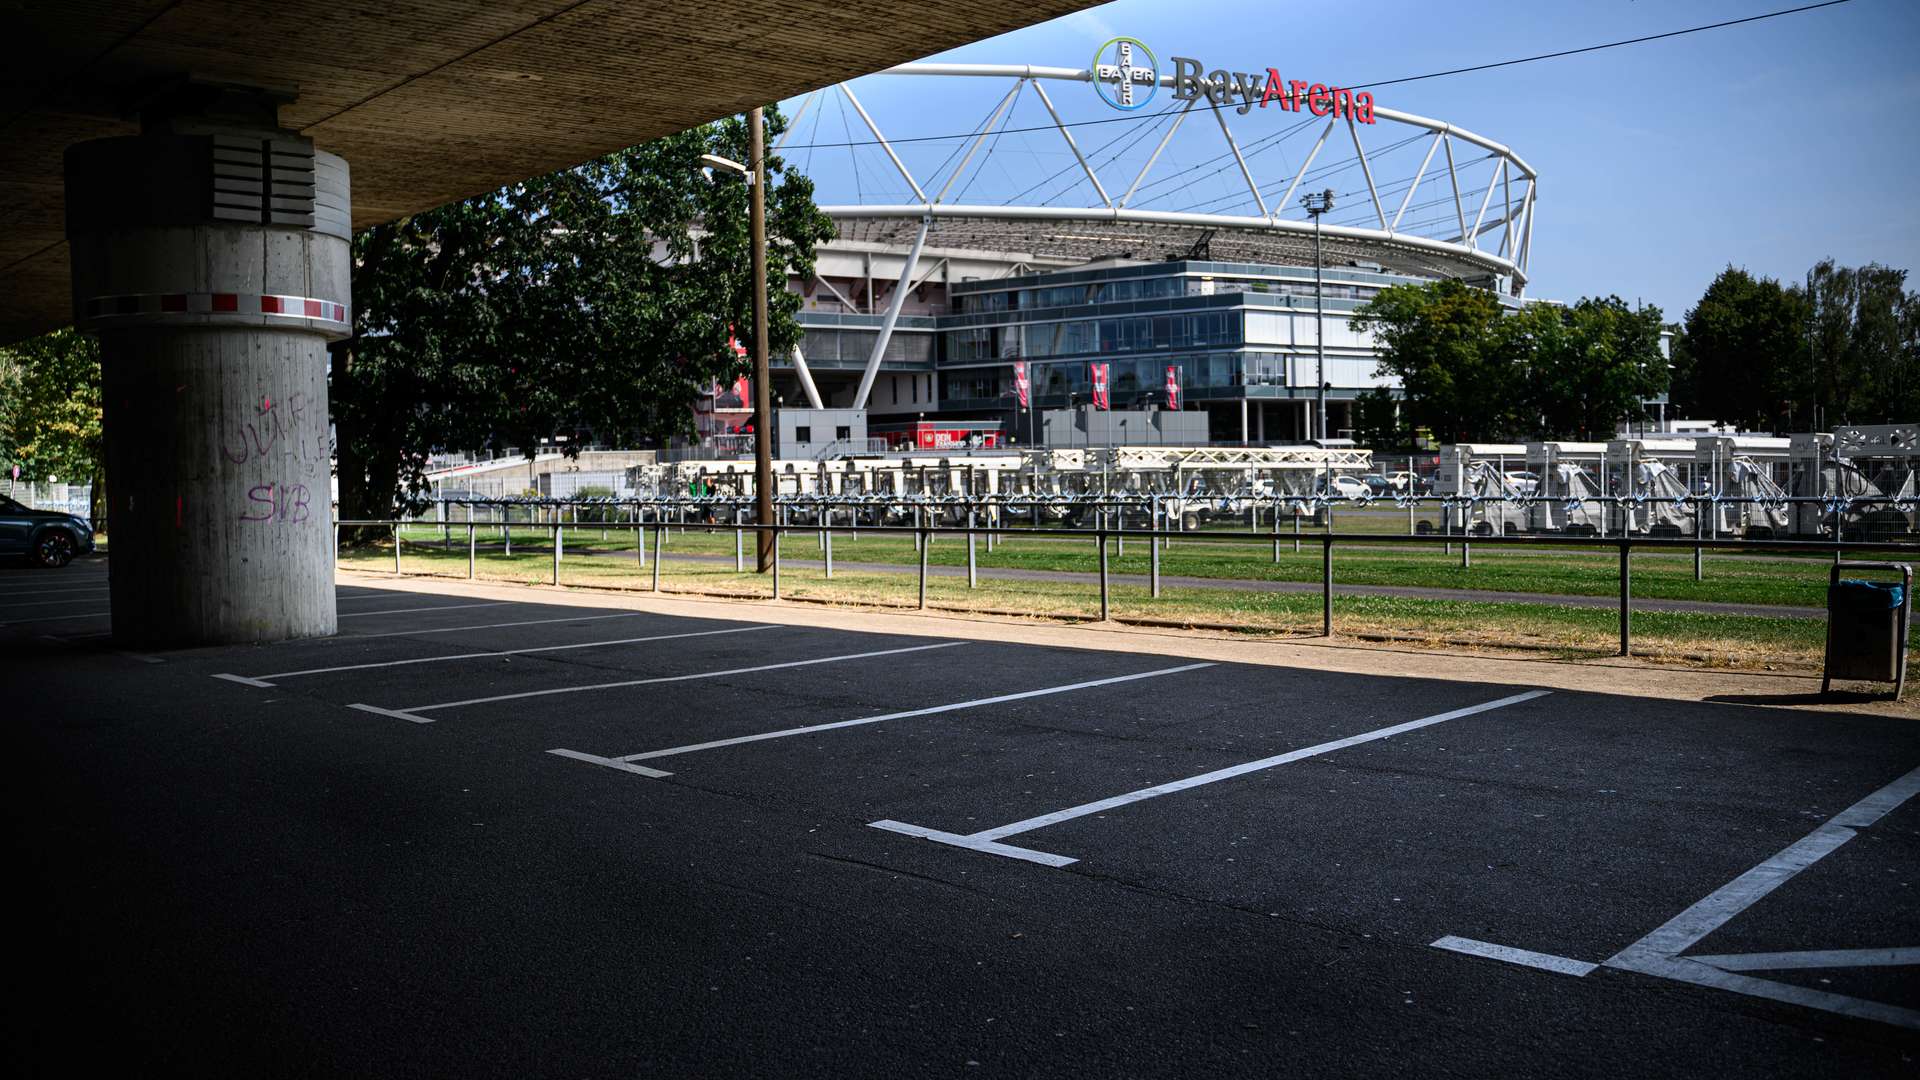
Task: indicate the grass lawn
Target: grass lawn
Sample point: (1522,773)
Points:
(1729,578)
(1571,631)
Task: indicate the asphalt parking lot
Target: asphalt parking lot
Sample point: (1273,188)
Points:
(487,837)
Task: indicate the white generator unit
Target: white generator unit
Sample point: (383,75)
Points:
(1569,478)
(1747,471)
(1882,459)
(1479,471)
(1655,472)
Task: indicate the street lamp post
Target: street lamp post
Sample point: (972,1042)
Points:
(1318,203)
(755,174)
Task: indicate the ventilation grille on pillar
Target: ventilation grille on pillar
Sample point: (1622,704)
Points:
(262,181)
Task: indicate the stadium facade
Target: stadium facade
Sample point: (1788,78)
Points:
(924,311)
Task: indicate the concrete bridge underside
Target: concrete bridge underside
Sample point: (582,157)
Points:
(182,177)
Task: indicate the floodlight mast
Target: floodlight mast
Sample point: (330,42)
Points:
(1317,204)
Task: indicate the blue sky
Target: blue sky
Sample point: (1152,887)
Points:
(1769,145)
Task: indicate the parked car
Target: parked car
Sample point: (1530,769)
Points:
(1392,483)
(1347,487)
(48,537)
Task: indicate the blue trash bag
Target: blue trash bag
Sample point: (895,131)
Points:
(1853,594)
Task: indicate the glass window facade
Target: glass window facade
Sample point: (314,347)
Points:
(1222,325)
(1081,337)
(841,347)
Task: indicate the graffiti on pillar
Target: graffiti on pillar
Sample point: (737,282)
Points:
(274,433)
(281,503)
(272,436)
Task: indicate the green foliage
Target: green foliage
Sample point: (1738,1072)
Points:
(1376,420)
(593,513)
(1864,350)
(1444,341)
(1598,366)
(1475,371)
(1743,352)
(592,303)
(1842,348)
(50,407)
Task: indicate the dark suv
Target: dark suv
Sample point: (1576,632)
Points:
(48,537)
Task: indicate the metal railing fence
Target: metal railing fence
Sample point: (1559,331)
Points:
(1109,529)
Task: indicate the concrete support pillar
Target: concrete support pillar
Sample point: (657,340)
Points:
(211,256)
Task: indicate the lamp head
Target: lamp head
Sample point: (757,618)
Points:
(711,163)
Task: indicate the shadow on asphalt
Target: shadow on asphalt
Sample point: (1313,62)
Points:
(1837,697)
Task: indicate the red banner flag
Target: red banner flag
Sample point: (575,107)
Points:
(1022,388)
(1101,400)
(1173,387)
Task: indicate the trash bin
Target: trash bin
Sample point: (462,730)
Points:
(1867,625)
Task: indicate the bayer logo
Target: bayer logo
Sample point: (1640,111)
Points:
(1123,73)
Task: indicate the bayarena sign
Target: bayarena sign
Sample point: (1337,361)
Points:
(1126,77)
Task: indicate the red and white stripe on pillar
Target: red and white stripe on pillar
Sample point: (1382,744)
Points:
(216,303)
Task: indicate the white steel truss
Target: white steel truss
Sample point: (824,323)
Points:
(1064,233)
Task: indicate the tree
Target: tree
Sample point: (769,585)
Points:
(592,302)
(1473,370)
(1682,376)
(1597,369)
(1459,361)
(50,411)
(1376,420)
(1745,352)
(1863,343)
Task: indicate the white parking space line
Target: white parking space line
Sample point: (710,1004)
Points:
(1544,961)
(987,840)
(11,593)
(436,607)
(485,626)
(6,605)
(411,712)
(1658,953)
(57,618)
(261,680)
(398,713)
(1686,929)
(1683,969)
(1819,958)
(929,711)
(611,763)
